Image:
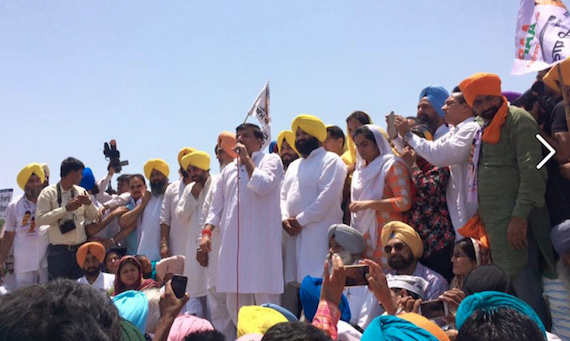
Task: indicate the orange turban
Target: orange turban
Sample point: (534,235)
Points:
(227,141)
(425,324)
(97,249)
(184,151)
(486,84)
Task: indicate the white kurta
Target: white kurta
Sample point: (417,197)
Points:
(259,256)
(212,268)
(312,192)
(453,150)
(178,230)
(189,212)
(104,281)
(149,229)
(30,240)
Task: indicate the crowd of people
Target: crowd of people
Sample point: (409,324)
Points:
(447,208)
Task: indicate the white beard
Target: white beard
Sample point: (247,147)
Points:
(346,257)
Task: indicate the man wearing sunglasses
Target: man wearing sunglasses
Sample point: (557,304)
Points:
(403,247)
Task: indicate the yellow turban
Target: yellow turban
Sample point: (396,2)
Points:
(551,78)
(97,249)
(258,320)
(405,233)
(182,152)
(311,125)
(26,173)
(227,141)
(197,159)
(158,164)
(287,136)
(480,84)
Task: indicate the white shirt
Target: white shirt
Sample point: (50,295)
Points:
(259,257)
(312,193)
(364,307)
(558,300)
(440,131)
(189,212)
(149,229)
(216,238)
(30,240)
(178,231)
(104,281)
(453,150)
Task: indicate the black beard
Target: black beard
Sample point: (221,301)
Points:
(92,273)
(95,190)
(158,188)
(490,113)
(33,192)
(400,262)
(307,146)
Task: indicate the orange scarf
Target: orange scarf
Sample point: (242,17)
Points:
(475,229)
(492,133)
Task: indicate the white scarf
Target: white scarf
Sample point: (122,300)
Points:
(368,184)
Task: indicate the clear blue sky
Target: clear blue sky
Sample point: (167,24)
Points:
(158,76)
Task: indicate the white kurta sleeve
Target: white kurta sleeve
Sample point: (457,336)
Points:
(266,176)
(217,205)
(449,150)
(11,218)
(165,212)
(331,183)
(103,196)
(284,194)
(186,205)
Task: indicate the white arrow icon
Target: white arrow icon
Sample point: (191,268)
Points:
(550,149)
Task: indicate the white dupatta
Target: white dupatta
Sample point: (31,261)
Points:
(368,184)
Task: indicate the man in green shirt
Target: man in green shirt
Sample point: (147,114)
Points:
(511,190)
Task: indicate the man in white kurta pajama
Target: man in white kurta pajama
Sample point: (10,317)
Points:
(245,208)
(173,233)
(311,200)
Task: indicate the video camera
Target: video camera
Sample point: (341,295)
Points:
(536,95)
(113,155)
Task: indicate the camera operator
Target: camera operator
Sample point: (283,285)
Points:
(64,207)
(551,118)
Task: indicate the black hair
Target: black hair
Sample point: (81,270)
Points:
(58,310)
(412,118)
(368,134)
(499,324)
(488,277)
(420,130)
(294,331)
(123,177)
(256,130)
(466,245)
(410,293)
(28,212)
(361,116)
(460,97)
(139,176)
(336,133)
(69,165)
(205,335)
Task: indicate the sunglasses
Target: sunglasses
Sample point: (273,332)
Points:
(398,247)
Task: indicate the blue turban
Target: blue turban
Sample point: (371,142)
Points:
(133,307)
(310,293)
(436,96)
(288,315)
(273,147)
(88,180)
(491,300)
(392,328)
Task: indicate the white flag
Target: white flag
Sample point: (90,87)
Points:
(260,109)
(543,35)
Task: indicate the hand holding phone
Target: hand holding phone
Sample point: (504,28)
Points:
(179,285)
(433,310)
(356,275)
(392,131)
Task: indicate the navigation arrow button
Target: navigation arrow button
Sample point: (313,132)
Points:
(551,150)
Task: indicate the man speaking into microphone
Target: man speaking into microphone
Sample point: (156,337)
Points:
(246,209)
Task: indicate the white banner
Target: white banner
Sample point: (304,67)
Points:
(542,37)
(5,198)
(260,109)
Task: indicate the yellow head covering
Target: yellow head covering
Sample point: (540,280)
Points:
(311,125)
(405,233)
(26,173)
(255,319)
(197,159)
(287,136)
(551,78)
(182,152)
(158,164)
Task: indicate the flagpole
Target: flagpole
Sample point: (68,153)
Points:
(564,94)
